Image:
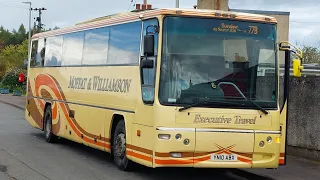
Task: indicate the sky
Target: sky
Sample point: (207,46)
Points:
(304,14)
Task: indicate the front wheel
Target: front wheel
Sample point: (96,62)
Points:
(119,147)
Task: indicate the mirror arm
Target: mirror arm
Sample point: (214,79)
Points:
(297,63)
(156,29)
(146,56)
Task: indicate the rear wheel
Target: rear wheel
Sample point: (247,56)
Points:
(119,148)
(49,136)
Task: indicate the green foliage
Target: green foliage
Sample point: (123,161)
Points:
(10,80)
(14,55)
(14,37)
(311,54)
(13,51)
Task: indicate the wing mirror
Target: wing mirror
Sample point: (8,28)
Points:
(297,68)
(148,47)
(147,64)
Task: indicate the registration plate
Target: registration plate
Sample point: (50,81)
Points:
(224,157)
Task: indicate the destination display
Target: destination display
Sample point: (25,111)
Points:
(235,28)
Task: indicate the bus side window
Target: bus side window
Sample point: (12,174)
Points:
(53,51)
(148,75)
(34,51)
(38,53)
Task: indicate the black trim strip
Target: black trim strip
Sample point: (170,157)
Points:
(286,79)
(81,104)
(286,98)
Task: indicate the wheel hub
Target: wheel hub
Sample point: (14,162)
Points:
(48,127)
(120,146)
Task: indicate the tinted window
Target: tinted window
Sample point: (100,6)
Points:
(124,45)
(148,75)
(34,52)
(38,53)
(72,49)
(95,51)
(218,60)
(53,51)
(148,24)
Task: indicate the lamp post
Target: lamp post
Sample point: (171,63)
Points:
(29,38)
(177,3)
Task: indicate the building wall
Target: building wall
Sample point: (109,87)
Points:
(214,4)
(283,31)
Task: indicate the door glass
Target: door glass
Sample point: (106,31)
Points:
(148,75)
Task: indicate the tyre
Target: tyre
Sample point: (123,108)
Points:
(119,148)
(49,136)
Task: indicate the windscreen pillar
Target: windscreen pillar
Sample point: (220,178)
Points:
(214,4)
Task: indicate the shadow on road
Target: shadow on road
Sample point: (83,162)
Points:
(159,173)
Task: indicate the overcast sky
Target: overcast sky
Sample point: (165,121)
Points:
(304,18)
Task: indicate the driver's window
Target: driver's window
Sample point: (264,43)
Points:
(148,75)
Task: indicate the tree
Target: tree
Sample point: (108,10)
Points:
(13,49)
(4,35)
(311,54)
(2,44)
(22,34)
(22,30)
(3,68)
(13,56)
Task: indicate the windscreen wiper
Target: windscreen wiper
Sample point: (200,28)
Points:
(255,104)
(211,101)
(244,97)
(258,107)
(202,103)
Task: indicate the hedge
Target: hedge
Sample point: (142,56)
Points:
(10,80)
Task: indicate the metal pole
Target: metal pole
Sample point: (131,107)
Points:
(29,46)
(145,2)
(177,3)
(29,38)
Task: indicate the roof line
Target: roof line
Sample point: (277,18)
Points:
(261,12)
(131,16)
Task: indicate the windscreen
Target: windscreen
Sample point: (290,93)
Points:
(218,59)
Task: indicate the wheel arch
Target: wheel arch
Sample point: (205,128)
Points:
(116,118)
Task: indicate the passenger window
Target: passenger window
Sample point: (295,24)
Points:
(148,75)
(72,49)
(38,53)
(124,45)
(53,51)
(34,50)
(96,45)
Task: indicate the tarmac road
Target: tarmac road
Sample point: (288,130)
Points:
(24,155)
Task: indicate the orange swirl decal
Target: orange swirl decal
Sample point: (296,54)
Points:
(47,87)
(33,109)
(43,81)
